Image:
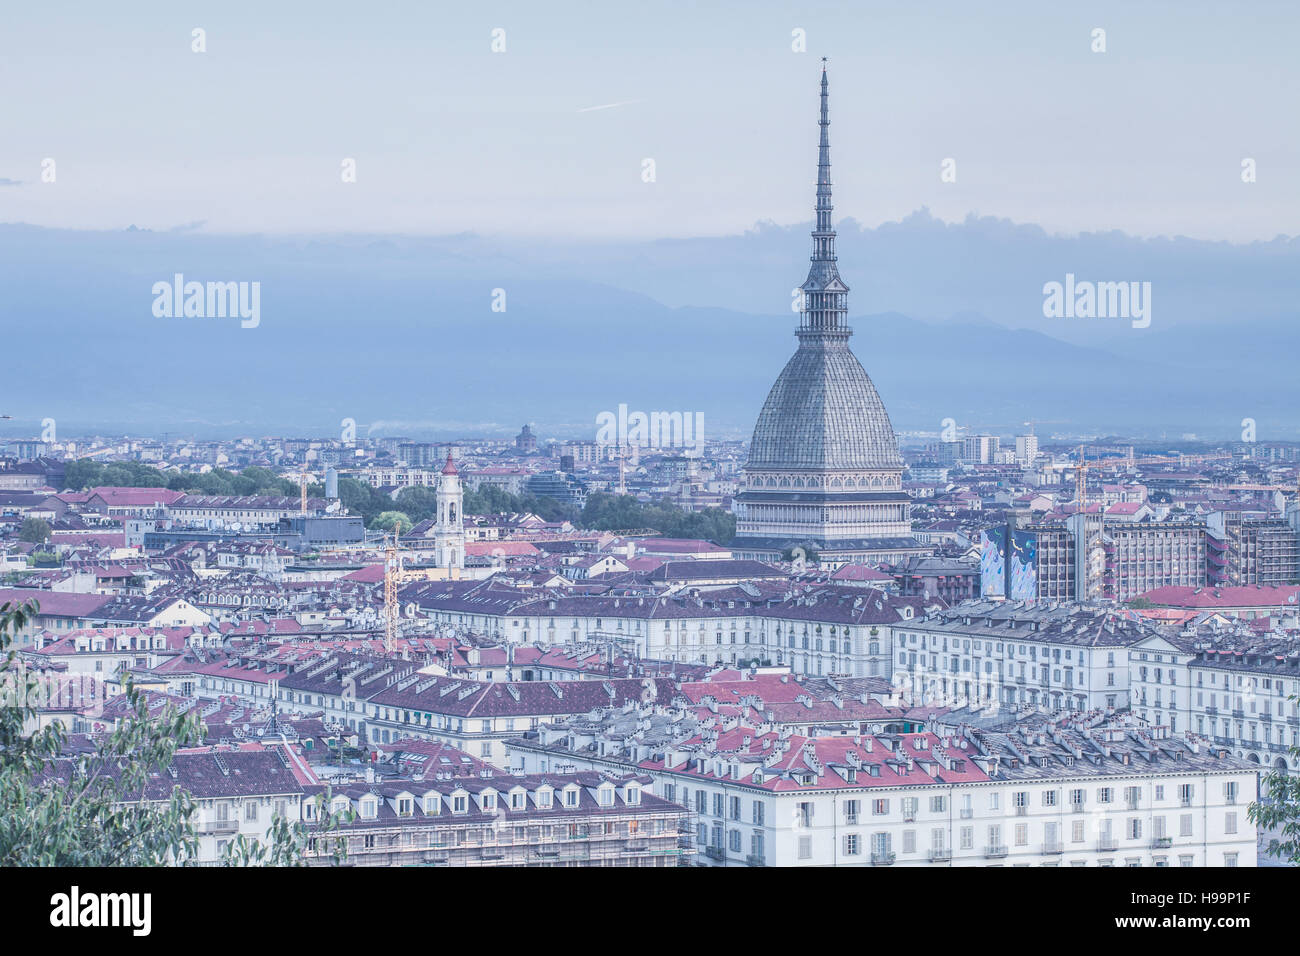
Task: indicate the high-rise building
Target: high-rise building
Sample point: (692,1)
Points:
(824,470)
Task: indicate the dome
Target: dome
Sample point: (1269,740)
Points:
(823,412)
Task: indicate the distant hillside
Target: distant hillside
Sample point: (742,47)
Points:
(400,331)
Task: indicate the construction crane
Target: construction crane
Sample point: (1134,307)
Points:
(303,477)
(1082,465)
(392,573)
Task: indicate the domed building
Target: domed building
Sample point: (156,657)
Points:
(824,472)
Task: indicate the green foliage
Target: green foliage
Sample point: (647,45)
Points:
(34,530)
(418,501)
(1140,603)
(360,499)
(490,499)
(1279,811)
(390,520)
(88,473)
(87,811)
(44,558)
(606,512)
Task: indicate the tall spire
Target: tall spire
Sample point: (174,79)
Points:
(825,296)
(824,206)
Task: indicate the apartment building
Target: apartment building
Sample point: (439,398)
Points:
(1237,693)
(1073,657)
(542,820)
(1085,793)
(813,629)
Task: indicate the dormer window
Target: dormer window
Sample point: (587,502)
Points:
(633,796)
(369,809)
(544,799)
(518,800)
(606,795)
(405,807)
(489,801)
(432,803)
(459,803)
(571,797)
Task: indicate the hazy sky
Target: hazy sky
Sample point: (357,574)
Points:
(448,136)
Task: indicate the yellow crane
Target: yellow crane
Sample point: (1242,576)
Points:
(1082,465)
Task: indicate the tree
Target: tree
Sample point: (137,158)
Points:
(1279,811)
(418,501)
(88,811)
(35,530)
(390,520)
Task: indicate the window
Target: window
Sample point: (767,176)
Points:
(851,811)
(735,808)
(1076,831)
(1185,825)
(1022,834)
(967,837)
(805,814)
(805,848)
(250,812)
(758,812)
(1230,822)
(852,844)
(571,798)
(939,804)
(1134,828)
(880,807)
(733,840)
(717,804)
(1104,795)
(1230,791)
(1049,798)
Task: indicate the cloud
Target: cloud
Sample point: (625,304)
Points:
(189,226)
(608,106)
(10,182)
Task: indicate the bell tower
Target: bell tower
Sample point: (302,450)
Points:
(449,527)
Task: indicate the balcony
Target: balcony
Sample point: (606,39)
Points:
(1162,843)
(755,860)
(1053,847)
(966,813)
(714,853)
(882,859)
(995,852)
(940,856)
(1076,808)
(220,827)
(1022,811)
(1108,844)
